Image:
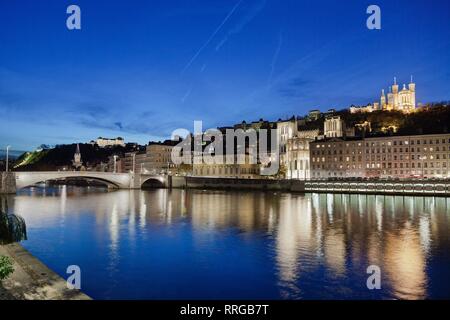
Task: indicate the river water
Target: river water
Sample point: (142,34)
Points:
(198,244)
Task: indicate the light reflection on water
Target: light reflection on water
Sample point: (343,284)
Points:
(178,244)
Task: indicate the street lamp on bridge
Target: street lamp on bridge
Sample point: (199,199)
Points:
(7,158)
(115,163)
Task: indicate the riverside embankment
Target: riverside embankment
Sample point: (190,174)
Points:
(387,187)
(32,280)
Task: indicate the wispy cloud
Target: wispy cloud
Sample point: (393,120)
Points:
(118,125)
(296,87)
(211,37)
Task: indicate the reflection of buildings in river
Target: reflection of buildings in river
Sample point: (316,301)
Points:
(404,263)
(142,211)
(258,211)
(440,222)
(371,240)
(159,206)
(294,238)
(134,208)
(247,211)
(330,207)
(114,228)
(379,212)
(315,212)
(424,232)
(380,231)
(63,195)
(210,210)
(396,233)
(335,251)
(334,240)
(45,210)
(398,247)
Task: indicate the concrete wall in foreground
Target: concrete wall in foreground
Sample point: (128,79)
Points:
(7,183)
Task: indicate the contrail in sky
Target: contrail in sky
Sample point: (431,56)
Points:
(212,36)
(275,59)
(186,95)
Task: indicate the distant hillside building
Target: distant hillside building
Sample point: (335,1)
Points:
(334,127)
(403,100)
(313,115)
(106,142)
(364,109)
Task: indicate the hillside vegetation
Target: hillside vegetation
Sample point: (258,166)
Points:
(62,155)
(430,120)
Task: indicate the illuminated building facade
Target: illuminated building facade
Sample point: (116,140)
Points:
(107,142)
(298,165)
(384,157)
(247,170)
(285,130)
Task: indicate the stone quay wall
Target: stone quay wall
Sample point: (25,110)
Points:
(7,183)
(237,184)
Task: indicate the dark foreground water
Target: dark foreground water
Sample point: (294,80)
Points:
(178,244)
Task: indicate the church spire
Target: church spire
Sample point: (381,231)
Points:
(383,98)
(77,162)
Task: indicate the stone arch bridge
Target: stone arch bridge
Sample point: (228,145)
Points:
(18,180)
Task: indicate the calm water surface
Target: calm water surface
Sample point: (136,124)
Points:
(163,244)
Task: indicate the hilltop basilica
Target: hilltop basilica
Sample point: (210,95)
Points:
(403,100)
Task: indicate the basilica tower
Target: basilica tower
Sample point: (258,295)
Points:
(383,99)
(403,100)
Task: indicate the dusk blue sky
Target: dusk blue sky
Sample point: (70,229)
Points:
(140,69)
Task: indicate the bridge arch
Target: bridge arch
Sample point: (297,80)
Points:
(153,182)
(107,183)
(26,179)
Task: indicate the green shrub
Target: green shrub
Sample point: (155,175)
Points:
(6,267)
